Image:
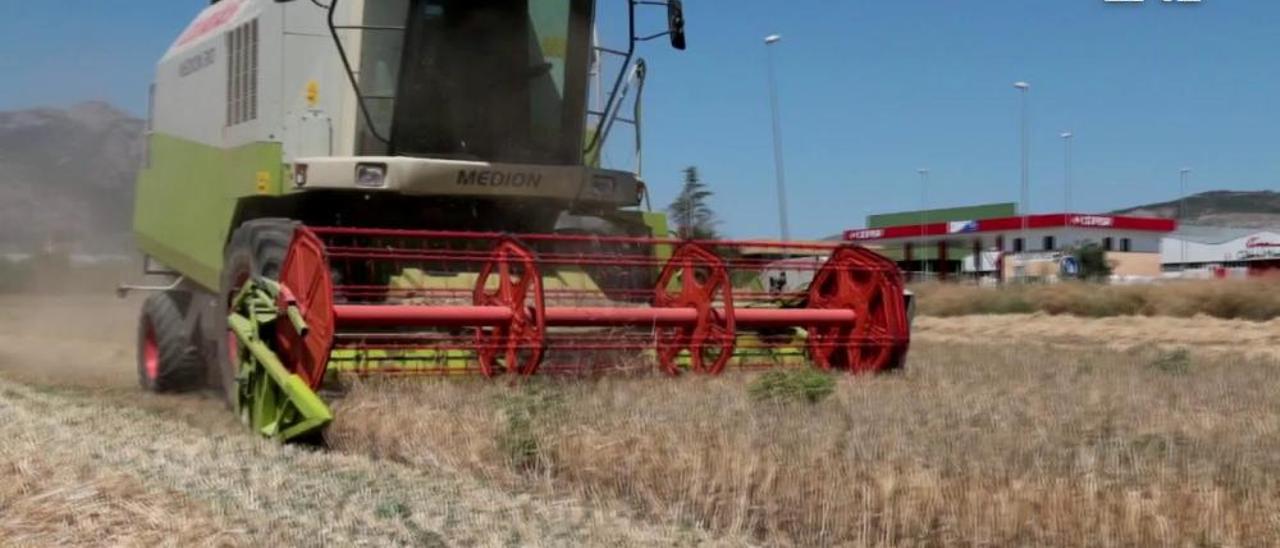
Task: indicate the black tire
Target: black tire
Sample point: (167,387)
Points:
(256,249)
(168,361)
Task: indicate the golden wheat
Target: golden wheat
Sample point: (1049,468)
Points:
(988,445)
(1252,299)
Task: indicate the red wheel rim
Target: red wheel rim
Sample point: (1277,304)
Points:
(701,280)
(233,349)
(871,286)
(150,353)
(521,343)
(306,282)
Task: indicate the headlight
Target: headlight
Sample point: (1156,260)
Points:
(371,175)
(300,175)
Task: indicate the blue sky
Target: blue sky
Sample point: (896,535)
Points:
(871,91)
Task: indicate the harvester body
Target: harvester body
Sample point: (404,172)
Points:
(407,187)
(254,114)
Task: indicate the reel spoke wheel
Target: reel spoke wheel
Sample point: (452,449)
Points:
(696,278)
(306,280)
(511,279)
(857,279)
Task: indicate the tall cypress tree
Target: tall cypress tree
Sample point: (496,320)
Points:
(691,211)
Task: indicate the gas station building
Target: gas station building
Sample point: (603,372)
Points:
(994,241)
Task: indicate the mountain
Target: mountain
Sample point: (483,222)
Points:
(67,174)
(1254,209)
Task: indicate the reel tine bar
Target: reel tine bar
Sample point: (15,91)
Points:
(438,302)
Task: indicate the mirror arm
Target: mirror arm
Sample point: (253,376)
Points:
(653,37)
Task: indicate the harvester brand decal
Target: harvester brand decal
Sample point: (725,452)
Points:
(197,63)
(498,179)
(213,19)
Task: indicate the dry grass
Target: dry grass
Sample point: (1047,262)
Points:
(87,471)
(48,501)
(1201,334)
(1253,299)
(973,445)
(1083,443)
(85,458)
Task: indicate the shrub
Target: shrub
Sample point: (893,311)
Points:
(1093,262)
(792,385)
(1176,362)
(522,411)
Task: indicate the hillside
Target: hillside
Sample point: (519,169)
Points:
(68,174)
(1219,208)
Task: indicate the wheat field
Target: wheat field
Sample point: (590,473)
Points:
(974,445)
(1102,432)
(1256,299)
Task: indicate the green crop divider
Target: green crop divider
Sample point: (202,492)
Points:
(272,401)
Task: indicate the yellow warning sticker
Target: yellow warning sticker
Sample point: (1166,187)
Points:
(264,182)
(313,93)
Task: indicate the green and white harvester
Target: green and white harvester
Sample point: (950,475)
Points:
(352,188)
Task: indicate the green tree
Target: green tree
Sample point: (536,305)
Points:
(1093,262)
(690,211)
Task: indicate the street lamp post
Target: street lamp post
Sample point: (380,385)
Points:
(1066,171)
(1024,189)
(780,171)
(1183,174)
(1066,185)
(924,217)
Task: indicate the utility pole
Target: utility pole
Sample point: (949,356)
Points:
(1066,171)
(1066,188)
(1183,174)
(924,218)
(1024,189)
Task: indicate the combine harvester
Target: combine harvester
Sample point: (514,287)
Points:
(350,188)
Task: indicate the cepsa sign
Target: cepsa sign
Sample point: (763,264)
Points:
(220,14)
(1099,221)
(868,234)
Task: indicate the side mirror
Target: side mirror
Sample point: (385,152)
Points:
(675,23)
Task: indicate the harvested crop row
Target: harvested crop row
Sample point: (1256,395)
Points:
(131,477)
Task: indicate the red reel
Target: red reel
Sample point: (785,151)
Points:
(521,343)
(305,280)
(696,278)
(860,280)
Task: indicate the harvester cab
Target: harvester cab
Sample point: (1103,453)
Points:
(414,187)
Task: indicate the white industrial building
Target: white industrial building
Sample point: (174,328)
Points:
(1193,247)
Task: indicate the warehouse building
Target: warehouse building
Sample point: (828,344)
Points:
(1221,251)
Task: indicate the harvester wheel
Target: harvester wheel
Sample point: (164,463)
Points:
(257,249)
(167,359)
